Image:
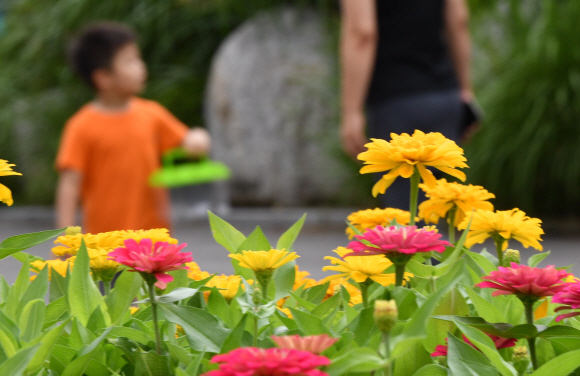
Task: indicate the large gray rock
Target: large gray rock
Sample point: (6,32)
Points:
(271,107)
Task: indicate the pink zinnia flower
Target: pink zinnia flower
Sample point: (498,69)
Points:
(405,239)
(314,344)
(500,343)
(252,361)
(524,280)
(156,260)
(571,298)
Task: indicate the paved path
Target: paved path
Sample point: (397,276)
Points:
(322,232)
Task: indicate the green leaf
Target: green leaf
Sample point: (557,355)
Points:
(179,353)
(317,293)
(459,352)
(308,324)
(218,306)
(560,366)
(357,360)
(130,333)
(180,280)
(58,286)
(289,237)
(204,331)
(193,367)
(410,361)
(32,319)
(431,370)
(420,270)
(234,339)
(174,296)
(225,234)
(485,309)
(534,260)
(7,341)
(303,302)
(256,241)
(564,344)
(17,290)
(83,294)
(482,261)
(56,309)
(16,364)
(152,364)
(486,346)
(284,278)
(36,290)
(363,326)
(19,243)
(453,303)
(79,365)
(119,299)
(47,342)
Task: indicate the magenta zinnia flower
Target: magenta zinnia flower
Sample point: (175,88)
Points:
(525,281)
(252,361)
(405,239)
(500,343)
(313,344)
(571,298)
(155,260)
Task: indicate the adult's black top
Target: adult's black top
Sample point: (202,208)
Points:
(412,55)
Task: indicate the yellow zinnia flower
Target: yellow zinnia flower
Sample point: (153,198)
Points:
(355,294)
(264,260)
(503,225)
(156,235)
(5,170)
(360,268)
(300,279)
(228,285)
(370,218)
(446,196)
(194,272)
(58,266)
(404,152)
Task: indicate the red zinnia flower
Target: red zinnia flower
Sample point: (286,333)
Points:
(571,297)
(252,361)
(525,281)
(500,343)
(405,239)
(313,344)
(156,260)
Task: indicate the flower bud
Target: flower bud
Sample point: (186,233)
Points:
(72,230)
(521,359)
(257,296)
(336,290)
(385,314)
(509,256)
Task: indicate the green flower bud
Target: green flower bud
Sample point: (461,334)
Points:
(257,296)
(72,230)
(521,359)
(385,314)
(509,256)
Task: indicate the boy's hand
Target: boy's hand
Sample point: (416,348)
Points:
(197,142)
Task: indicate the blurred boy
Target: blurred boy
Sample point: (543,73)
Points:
(111,146)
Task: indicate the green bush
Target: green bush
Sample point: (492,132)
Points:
(527,66)
(38,92)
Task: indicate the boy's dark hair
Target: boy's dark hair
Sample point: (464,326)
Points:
(96,47)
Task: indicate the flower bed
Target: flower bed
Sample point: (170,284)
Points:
(134,303)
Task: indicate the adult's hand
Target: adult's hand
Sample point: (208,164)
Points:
(352,133)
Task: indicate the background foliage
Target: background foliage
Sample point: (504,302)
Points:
(526,69)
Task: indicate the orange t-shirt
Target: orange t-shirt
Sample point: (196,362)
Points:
(115,153)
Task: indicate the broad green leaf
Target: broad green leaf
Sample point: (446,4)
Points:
(486,346)
(459,352)
(300,302)
(534,260)
(58,286)
(16,364)
(191,370)
(17,290)
(431,370)
(204,331)
(79,365)
(36,290)
(180,280)
(131,333)
(79,335)
(152,364)
(562,365)
(83,294)
(289,237)
(32,319)
(119,299)
(485,309)
(234,339)
(317,293)
(47,342)
(19,243)
(357,360)
(412,360)
(60,357)
(256,241)
(283,279)
(406,302)
(179,353)
(453,303)
(564,344)
(544,351)
(174,296)
(420,270)
(7,341)
(56,309)
(218,306)
(327,307)
(225,234)
(6,324)
(482,261)
(363,326)
(308,324)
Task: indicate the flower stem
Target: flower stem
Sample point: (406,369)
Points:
(255,341)
(529,309)
(451,221)
(154,312)
(386,342)
(415,179)
(399,274)
(499,247)
(364,290)
(107,285)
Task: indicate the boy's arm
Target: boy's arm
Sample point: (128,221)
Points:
(67,198)
(197,142)
(459,41)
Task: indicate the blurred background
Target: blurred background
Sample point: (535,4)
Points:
(262,75)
